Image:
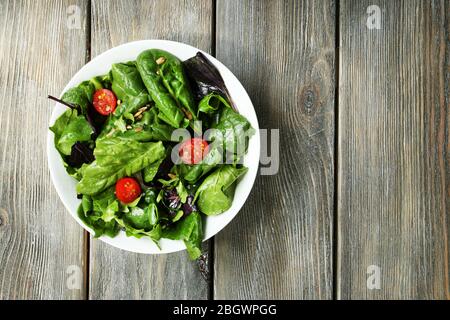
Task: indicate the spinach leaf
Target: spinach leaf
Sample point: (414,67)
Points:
(149,128)
(150,171)
(104,214)
(233,133)
(175,80)
(132,104)
(99,213)
(88,88)
(142,218)
(105,206)
(130,231)
(190,230)
(70,128)
(212,103)
(192,173)
(215,194)
(76,173)
(116,158)
(126,81)
(78,96)
(152,127)
(97,83)
(150,195)
(164,77)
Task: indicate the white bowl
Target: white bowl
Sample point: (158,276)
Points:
(65,185)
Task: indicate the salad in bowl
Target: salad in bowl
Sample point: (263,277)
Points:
(154,147)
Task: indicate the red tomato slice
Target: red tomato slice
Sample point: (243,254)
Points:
(127,190)
(193,151)
(104,101)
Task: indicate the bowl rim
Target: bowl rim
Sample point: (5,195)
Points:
(254,144)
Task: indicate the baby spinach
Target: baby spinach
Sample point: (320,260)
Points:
(130,231)
(152,126)
(163,75)
(126,80)
(193,172)
(142,218)
(150,171)
(215,194)
(212,103)
(78,96)
(190,230)
(98,212)
(70,128)
(116,158)
(234,131)
(149,128)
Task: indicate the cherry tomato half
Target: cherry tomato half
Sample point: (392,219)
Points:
(104,101)
(127,190)
(193,151)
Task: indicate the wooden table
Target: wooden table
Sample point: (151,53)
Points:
(363,189)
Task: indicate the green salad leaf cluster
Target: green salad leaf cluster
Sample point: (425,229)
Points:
(155,97)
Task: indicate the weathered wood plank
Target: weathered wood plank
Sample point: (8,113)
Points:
(280,244)
(39,240)
(394,170)
(116,274)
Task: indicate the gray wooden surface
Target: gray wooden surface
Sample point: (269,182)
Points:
(280,244)
(394,148)
(364,146)
(39,241)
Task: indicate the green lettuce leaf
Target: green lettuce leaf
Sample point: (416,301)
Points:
(150,171)
(192,173)
(190,230)
(130,231)
(142,218)
(78,96)
(70,128)
(212,103)
(233,133)
(99,213)
(116,158)
(164,78)
(215,194)
(126,81)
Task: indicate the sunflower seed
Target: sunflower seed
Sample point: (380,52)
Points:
(160,60)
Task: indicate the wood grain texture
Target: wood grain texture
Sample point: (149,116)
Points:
(117,274)
(280,244)
(39,240)
(394,170)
